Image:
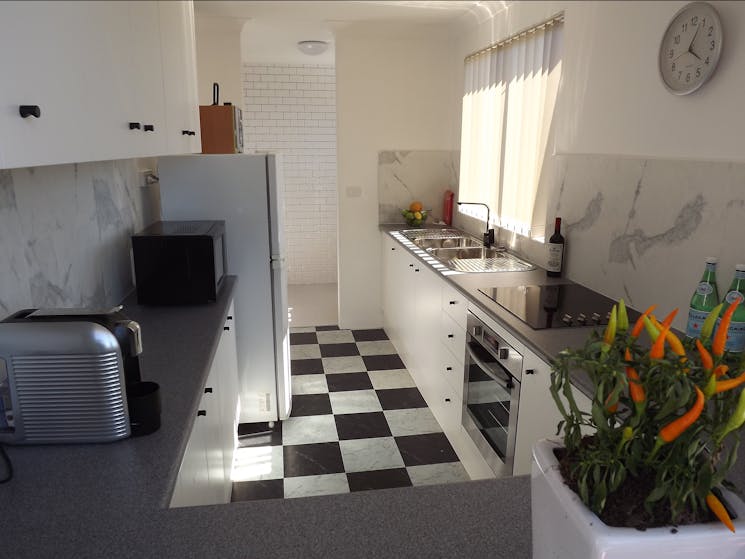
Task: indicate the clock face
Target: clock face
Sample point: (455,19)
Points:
(690,48)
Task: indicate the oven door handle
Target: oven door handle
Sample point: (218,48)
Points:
(508,384)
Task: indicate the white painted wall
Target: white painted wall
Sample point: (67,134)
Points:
(219,58)
(395,91)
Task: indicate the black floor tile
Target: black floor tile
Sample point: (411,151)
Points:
(338,350)
(255,490)
(306,366)
(369,335)
(259,434)
(310,404)
(362,425)
(325,328)
(340,382)
(381,362)
(433,448)
(312,459)
(301,338)
(378,479)
(400,398)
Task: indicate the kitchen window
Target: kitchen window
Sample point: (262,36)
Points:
(508,105)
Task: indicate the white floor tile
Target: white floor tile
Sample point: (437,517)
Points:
(411,422)
(433,474)
(354,401)
(351,364)
(305,351)
(313,304)
(257,463)
(382,347)
(335,337)
(391,378)
(309,384)
(307,486)
(364,455)
(302,330)
(309,429)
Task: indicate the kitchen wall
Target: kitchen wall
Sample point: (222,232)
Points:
(218,46)
(291,109)
(395,91)
(64,233)
(648,183)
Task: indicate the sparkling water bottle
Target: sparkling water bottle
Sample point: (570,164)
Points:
(736,332)
(705,298)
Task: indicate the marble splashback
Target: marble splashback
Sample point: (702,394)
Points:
(64,233)
(641,228)
(405,176)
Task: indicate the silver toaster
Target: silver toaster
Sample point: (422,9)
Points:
(62,380)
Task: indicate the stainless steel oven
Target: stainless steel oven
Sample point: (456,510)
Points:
(491,394)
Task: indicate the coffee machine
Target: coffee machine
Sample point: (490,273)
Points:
(72,376)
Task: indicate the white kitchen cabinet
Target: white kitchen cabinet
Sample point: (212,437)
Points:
(205,474)
(91,68)
(178,52)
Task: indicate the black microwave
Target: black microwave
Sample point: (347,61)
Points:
(179,262)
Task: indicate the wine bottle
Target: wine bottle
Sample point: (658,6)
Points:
(555,249)
(736,332)
(704,299)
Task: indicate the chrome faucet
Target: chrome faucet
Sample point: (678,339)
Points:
(489,233)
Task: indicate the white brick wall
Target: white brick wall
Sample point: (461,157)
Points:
(292,109)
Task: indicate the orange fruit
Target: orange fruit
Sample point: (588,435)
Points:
(416,206)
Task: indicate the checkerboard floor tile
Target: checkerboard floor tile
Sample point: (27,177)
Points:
(358,423)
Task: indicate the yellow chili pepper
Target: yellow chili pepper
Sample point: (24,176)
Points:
(640,322)
(610,330)
(672,339)
(716,507)
(708,327)
(623,317)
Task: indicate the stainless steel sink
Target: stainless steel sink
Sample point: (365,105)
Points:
(480,259)
(447,243)
(417,234)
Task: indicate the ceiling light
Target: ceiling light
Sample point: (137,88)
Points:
(312,47)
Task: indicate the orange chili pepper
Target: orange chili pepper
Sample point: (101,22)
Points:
(672,339)
(716,507)
(669,318)
(729,384)
(720,338)
(720,371)
(706,361)
(639,324)
(636,390)
(614,407)
(658,348)
(675,428)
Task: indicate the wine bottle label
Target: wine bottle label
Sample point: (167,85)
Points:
(695,321)
(704,288)
(555,254)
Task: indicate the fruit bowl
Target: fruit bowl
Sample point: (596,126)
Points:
(414,219)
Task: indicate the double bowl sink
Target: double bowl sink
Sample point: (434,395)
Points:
(463,253)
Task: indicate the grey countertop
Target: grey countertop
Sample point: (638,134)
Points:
(110,500)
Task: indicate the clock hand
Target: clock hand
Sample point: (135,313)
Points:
(690,46)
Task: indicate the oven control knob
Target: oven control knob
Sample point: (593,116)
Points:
(504,353)
(595,318)
(581,319)
(607,316)
(477,330)
(567,319)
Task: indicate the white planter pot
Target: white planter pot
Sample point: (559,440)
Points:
(563,528)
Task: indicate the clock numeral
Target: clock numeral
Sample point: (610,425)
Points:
(698,72)
(676,39)
(688,77)
(680,73)
(673,67)
(713,44)
(694,20)
(711,31)
(671,53)
(684,27)
(706,61)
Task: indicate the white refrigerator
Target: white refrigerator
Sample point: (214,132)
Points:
(245,191)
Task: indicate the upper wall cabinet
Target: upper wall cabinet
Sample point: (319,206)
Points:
(94,74)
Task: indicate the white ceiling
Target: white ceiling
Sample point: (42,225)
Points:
(273,28)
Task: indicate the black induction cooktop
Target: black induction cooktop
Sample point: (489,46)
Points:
(555,306)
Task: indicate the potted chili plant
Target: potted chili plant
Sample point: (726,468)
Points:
(641,473)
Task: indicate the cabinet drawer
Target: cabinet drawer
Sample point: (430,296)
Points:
(447,409)
(453,369)
(455,304)
(452,335)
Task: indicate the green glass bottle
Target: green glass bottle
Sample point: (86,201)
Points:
(705,298)
(736,333)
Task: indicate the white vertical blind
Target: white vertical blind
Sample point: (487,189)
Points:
(508,102)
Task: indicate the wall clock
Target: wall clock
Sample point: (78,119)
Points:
(690,48)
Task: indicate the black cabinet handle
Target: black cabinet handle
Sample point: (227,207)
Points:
(208,390)
(448,368)
(452,302)
(134,126)
(393,248)
(185,132)
(411,265)
(416,269)
(447,399)
(226,327)
(529,371)
(29,110)
(230,318)
(202,413)
(451,335)
(192,133)
(148,128)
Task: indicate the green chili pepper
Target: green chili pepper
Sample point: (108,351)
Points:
(652,330)
(610,330)
(708,326)
(735,421)
(623,317)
